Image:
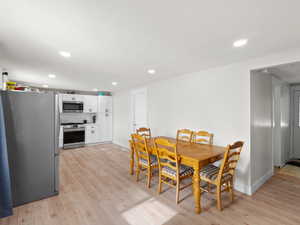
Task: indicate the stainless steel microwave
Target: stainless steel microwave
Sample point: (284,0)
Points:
(72,107)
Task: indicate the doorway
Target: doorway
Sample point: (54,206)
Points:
(285,119)
(139,109)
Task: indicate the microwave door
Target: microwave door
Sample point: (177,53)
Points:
(72,107)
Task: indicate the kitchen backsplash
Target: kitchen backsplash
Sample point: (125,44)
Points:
(76,117)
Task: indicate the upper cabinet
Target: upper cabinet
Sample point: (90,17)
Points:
(71,97)
(104,104)
(90,104)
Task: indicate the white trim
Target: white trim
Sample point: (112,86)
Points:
(121,145)
(257,184)
(246,189)
(291,121)
(294,88)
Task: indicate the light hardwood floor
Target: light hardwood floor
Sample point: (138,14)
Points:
(290,170)
(96,188)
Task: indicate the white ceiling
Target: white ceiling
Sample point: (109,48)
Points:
(288,72)
(118,40)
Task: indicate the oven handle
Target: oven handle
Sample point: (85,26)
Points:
(73,129)
(73,102)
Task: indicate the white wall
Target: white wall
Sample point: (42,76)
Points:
(213,100)
(217,100)
(1,84)
(276,134)
(285,122)
(261,128)
(281,121)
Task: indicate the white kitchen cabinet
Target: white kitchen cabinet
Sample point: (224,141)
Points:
(90,104)
(98,135)
(91,134)
(72,97)
(104,118)
(104,121)
(104,104)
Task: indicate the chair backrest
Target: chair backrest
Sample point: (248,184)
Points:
(203,137)
(231,158)
(140,147)
(184,135)
(145,132)
(167,154)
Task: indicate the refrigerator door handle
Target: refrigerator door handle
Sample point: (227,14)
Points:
(57,123)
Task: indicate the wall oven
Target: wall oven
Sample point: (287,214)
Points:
(74,136)
(72,107)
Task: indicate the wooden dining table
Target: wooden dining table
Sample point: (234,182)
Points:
(193,155)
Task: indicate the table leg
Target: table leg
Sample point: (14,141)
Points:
(131,160)
(196,189)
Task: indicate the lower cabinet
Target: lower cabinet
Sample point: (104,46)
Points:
(104,121)
(100,131)
(92,134)
(90,104)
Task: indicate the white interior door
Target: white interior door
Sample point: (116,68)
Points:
(139,109)
(296,124)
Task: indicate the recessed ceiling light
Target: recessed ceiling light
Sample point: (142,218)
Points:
(114,83)
(51,75)
(240,43)
(95,89)
(65,54)
(151,71)
(45,86)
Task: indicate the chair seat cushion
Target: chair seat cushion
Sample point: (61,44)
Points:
(211,172)
(184,171)
(153,161)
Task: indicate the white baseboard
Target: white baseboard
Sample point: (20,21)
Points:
(246,189)
(261,181)
(121,145)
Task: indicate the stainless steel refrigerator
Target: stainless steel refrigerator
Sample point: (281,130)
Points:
(32,132)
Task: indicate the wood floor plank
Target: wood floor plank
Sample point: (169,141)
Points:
(96,188)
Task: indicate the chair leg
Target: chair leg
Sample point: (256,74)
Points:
(159,182)
(177,191)
(137,173)
(149,177)
(231,190)
(219,200)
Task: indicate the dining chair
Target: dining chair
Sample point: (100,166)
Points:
(184,135)
(145,132)
(203,137)
(145,161)
(171,172)
(222,177)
